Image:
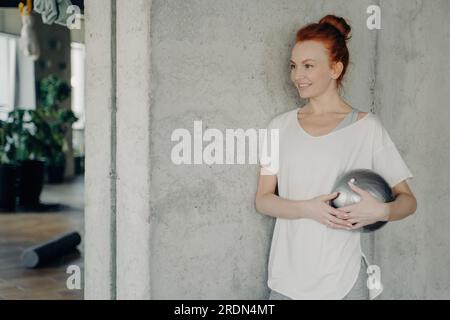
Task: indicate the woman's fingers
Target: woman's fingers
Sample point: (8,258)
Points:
(357,189)
(338,213)
(358,225)
(339,222)
(332,225)
(329,196)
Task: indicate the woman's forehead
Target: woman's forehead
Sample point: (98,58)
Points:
(309,50)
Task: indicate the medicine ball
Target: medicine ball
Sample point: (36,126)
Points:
(367,180)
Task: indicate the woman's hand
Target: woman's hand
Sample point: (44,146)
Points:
(367,211)
(318,209)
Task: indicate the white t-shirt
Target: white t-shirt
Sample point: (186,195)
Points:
(307,259)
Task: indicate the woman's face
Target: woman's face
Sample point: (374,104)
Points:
(310,69)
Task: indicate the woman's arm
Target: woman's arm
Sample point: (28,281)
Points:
(317,208)
(404,204)
(268,203)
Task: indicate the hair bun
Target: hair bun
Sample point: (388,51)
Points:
(339,23)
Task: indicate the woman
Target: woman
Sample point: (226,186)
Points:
(316,250)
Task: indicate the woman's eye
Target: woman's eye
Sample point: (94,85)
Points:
(292,66)
(308,65)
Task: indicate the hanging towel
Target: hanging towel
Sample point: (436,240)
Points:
(48,10)
(53,11)
(28,39)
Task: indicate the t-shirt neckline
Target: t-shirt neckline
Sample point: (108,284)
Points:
(329,133)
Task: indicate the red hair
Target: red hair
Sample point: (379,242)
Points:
(333,32)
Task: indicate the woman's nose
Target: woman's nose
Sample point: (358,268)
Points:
(298,75)
(299,78)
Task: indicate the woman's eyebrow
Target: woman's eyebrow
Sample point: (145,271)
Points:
(303,60)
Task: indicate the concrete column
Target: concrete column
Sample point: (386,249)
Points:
(133,149)
(117,146)
(100,183)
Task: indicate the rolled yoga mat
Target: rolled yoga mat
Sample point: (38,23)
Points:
(51,250)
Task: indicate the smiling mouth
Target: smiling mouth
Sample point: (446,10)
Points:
(304,85)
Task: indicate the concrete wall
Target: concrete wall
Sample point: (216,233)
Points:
(100,182)
(117,144)
(169,63)
(225,63)
(412,88)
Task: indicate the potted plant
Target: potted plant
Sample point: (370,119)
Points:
(53,123)
(7,170)
(28,140)
(28,153)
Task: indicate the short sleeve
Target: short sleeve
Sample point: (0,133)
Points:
(387,160)
(268,149)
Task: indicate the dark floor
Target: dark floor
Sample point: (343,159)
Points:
(21,230)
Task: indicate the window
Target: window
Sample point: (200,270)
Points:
(77,58)
(17,84)
(7,74)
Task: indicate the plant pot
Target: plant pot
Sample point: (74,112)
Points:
(55,174)
(7,188)
(79,165)
(31,174)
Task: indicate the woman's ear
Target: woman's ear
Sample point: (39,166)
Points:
(336,69)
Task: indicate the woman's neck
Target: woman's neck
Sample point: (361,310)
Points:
(326,104)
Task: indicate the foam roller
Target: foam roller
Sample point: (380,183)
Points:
(51,250)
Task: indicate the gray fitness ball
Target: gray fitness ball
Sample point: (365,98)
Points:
(368,180)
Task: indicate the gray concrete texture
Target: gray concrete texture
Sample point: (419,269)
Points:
(100,199)
(412,91)
(226,63)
